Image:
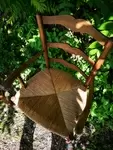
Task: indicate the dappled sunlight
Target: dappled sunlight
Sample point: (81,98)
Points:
(81,23)
(15,99)
(83,95)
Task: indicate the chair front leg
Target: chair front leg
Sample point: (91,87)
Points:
(83,117)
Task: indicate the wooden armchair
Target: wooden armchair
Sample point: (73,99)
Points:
(52,97)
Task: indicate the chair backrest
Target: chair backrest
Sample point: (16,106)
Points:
(76,25)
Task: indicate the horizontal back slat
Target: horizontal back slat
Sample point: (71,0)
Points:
(76,25)
(71,66)
(67,48)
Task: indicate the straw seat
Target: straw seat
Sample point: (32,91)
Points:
(54,99)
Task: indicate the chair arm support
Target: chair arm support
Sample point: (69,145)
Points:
(16,73)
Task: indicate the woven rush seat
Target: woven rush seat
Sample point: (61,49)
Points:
(54,99)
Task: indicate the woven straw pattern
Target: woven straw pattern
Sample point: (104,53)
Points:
(54,99)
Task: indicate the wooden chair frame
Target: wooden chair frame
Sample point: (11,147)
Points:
(76,25)
(82,26)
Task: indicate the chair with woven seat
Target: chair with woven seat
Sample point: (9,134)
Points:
(52,97)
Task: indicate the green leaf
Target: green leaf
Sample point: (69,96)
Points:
(93,114)
(111,17)
(106,26)
(39,5)
(111,108)
(111,63)
(94,45)
(93,51)
(105,32)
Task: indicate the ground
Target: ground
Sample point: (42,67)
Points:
(26,135)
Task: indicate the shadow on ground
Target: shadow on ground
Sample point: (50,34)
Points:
(27,136)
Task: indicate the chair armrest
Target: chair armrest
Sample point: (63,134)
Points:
(16,73)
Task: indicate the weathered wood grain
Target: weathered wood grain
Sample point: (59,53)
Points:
(76,25)
(67,48)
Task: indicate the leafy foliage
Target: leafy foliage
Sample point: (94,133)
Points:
(19,40)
